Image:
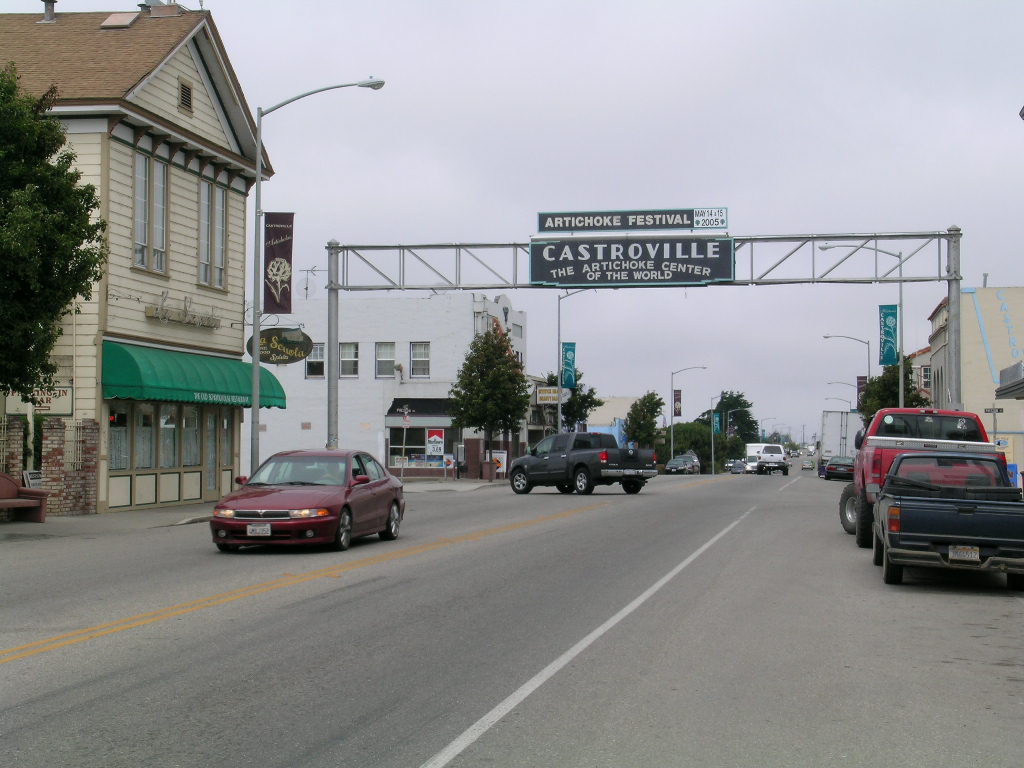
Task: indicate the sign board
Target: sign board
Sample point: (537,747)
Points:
(547,395)
(500,459)
(281,346)
(58,401)
(993,410)
(605,221)
(643,262)
(32,478)
(435,442)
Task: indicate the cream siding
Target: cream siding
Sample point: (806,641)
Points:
(160,93)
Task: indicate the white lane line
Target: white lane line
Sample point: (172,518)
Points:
(485,723)
(784,487)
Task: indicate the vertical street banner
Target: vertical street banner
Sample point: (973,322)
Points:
(677,402)
(888,327)
(862,384)
(569,364)
(277,262)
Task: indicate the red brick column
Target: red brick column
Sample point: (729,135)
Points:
(14,451)
(52,466)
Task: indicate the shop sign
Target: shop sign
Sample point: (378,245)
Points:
(281,346)
(547,395)
(435,442)
(58,401)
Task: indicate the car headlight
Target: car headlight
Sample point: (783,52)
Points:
(309,513)
(223,513)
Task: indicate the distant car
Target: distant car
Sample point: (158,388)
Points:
(750,465)
(838,468)
(311,497)
(739,467)
(807,464)
(682,465)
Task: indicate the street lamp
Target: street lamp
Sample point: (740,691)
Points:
(842,399)
(257,260)
(853,338)
(899,313)
(566,295)
(672,407)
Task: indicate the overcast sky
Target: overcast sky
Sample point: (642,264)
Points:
(799,116)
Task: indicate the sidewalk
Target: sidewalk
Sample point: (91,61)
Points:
(186,514)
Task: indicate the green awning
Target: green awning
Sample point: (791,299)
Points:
(144,373)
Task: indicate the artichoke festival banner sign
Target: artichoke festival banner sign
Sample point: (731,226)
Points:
(888,325)
(277,262)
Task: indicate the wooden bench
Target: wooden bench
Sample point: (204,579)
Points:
(27,504)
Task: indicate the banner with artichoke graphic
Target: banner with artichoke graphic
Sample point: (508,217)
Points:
(888,324)
(277,262)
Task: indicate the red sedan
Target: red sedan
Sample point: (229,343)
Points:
(311,497)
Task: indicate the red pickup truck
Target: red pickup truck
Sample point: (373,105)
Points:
(894,431)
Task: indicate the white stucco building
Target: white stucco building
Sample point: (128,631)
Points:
(396,350)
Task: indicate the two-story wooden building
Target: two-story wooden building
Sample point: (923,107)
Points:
(153,380)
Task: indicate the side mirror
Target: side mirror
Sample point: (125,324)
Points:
(241,480)
(360,480)
(858,441)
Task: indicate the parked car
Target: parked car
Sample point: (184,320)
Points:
(687,464)
(311,497)
(838,468)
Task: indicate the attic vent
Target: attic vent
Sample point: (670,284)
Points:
(185,95)
(119,20)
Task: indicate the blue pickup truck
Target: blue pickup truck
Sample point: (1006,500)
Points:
(949,510)
(578,461)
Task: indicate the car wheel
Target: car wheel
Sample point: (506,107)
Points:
(865,517)
(785,473)
(877,550)
(581,480)
(390,532)
(1015,581)
(564,487)
(891,573)
(632,486)
(848,510)
(519,482)
(343,538)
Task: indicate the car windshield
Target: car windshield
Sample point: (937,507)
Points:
(302,470)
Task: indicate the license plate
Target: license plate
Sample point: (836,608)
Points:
(630,472)
(257,529)
(960,552)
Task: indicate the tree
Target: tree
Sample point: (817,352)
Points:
(884,391)
(735,407)
(491,393)
(51,249)
(642,419)
(583,402)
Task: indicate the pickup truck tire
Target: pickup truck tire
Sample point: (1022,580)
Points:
(877,550)
(891,573)
(519,482)
(632,486)
(848,510)
(564,487)
(1015,581)
(865,518)
(582,482)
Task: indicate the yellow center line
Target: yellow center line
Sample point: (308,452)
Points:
(286,580)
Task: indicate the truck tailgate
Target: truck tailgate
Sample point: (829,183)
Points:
(962,521)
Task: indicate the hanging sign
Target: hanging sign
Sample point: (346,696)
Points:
(569,364)
(663,218)
(888,324)
(281,346)
(645,261)
(277,262)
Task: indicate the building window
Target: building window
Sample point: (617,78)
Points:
(315,362)
(144,448)
(419,359)
(191,453)
(349,358)
(120,440)
(926,377)
(150,213)
(212,234)
(385,360)
(408,447)
(168,435)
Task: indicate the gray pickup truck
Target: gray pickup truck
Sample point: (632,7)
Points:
(949,510)
(578,461)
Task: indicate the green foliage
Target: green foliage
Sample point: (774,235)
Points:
(51,250)
(642,419)
(491,393)
(583,402)
(735,407)
(884,391)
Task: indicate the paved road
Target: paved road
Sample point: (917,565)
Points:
(720,621)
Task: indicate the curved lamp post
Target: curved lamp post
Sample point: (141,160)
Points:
(899,313)
(854,338)
(672,407)
(842,399)
(257,260)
